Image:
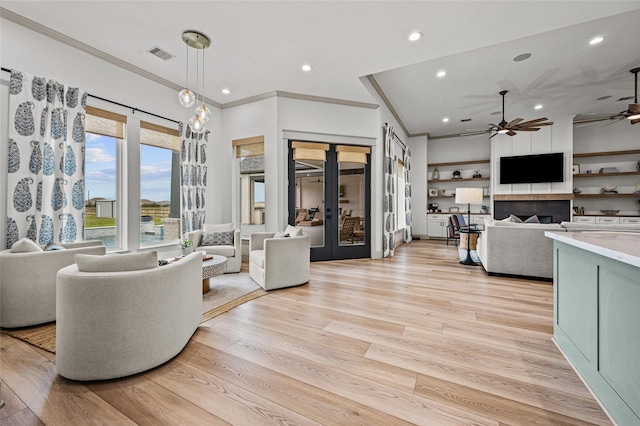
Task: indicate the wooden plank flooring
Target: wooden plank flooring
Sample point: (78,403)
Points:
(414,339)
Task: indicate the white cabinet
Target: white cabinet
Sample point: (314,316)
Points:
(607,219)
(437,225)
(584,219)
(630,220)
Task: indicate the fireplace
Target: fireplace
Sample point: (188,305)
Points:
(548,211)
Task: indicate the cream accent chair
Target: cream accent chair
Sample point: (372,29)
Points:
(233,253)
(114,324)
(28,282)
(276,261)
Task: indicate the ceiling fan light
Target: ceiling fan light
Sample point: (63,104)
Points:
(187,98)
(634,117)
(503,131)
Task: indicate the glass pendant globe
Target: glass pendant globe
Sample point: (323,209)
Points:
(204,113)
(197,126)
(187,98)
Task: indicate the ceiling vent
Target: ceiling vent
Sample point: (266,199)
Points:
(160,53)
(464,120)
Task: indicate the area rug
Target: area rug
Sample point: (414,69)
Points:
(227,292)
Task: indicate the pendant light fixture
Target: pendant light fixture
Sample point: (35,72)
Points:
(187,98)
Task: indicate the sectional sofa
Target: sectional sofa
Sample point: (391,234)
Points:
(522,249)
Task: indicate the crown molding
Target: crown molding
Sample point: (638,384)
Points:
(387,102)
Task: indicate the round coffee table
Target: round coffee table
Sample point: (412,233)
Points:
(212,268)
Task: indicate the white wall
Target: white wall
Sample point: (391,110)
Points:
(555,138)
(419,179)
(36,54)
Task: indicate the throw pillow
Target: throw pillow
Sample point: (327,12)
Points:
(217,238)
(24,245)
(280,235)
(506,219)
(292,231)
(53,247)
(532,219)
(224,227)
(117,262)
(515,219)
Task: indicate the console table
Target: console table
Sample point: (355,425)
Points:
(596,312)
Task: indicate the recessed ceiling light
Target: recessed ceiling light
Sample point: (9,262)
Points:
(522,57)
(307,67)
(441,73)
(596,40)
(226,91)
(537,106)
(415,36)
(445,120)
(602,98)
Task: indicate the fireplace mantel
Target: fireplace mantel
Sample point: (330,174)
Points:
(532,197)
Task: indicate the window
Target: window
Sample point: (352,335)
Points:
(104,136)
(159,184)
(250,156)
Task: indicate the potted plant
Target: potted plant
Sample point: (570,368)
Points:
(476,174)
(456,174)
(187,247)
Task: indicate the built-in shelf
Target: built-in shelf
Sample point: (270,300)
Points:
(451,196)
(605,215)
(531,197)
(605,153)
(605,195)
(456,180)
(590,175)
(458,163)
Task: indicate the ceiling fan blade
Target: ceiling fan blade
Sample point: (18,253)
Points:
(611,122)
(634,108)
(530,122)
(637,120)
(511,133)
(493,135)
(514,122)
(528,129)
(547,123)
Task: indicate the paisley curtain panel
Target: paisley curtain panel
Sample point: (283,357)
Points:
(45,197)
(193,178)
(388,195)
(407,196)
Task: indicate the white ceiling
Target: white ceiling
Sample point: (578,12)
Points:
(259,47)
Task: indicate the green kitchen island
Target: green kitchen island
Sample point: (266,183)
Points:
(596,313)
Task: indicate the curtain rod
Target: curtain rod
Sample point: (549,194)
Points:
(134,109)
(396,136)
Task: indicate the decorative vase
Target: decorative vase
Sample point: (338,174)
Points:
(187,250)
(436,174)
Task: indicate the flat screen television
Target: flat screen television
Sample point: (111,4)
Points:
(532,168)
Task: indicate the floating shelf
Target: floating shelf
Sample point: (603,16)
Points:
(605,215)
(590,175)
(605,195)
(458,180)
(605,153)
(458,163)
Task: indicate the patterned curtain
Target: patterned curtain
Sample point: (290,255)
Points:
(193,172)
(45,197)
(387,197)
(407,195)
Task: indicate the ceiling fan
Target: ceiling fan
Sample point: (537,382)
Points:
(517,125)
(633,113)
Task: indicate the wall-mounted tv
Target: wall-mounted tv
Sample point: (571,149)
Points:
(532,168)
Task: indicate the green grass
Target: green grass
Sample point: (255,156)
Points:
(91,221)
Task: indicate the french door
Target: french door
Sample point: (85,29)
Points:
(330,198)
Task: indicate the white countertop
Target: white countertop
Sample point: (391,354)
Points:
(621,246)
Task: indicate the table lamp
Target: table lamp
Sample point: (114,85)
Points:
(468,196)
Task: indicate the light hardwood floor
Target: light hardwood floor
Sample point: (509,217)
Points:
(414,339)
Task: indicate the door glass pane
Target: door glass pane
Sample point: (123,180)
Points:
(252,194)
(101,180)
(310,206)
(351,193)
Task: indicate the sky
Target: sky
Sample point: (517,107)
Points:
(100,169)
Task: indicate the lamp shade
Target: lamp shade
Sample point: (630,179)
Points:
(469,196)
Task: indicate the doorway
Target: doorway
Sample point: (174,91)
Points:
(330,198)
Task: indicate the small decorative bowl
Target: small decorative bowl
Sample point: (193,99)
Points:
(609,188)
(610,212)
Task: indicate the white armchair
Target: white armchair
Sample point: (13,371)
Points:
(231,249)
(123,320)
(276,261)
(28,282)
